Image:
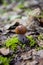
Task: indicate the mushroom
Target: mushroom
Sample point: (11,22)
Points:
(21,30)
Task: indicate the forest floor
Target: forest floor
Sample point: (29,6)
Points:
(24,51)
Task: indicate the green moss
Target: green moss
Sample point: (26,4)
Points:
(32,41)
(39,48)
(12,43)
(4,60)
(23,46)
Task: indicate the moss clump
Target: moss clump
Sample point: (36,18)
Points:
(32,41)
(4,60)
(12,43)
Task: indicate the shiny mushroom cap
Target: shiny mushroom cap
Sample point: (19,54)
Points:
(41,20)
(20,29)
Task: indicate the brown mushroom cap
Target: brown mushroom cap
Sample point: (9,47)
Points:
(41,20)
(20,29)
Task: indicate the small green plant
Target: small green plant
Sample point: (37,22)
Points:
(12,43)
(4,60)
(32,41)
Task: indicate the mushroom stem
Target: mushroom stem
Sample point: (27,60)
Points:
(22,38)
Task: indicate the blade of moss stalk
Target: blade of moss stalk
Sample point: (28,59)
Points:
(23,46)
